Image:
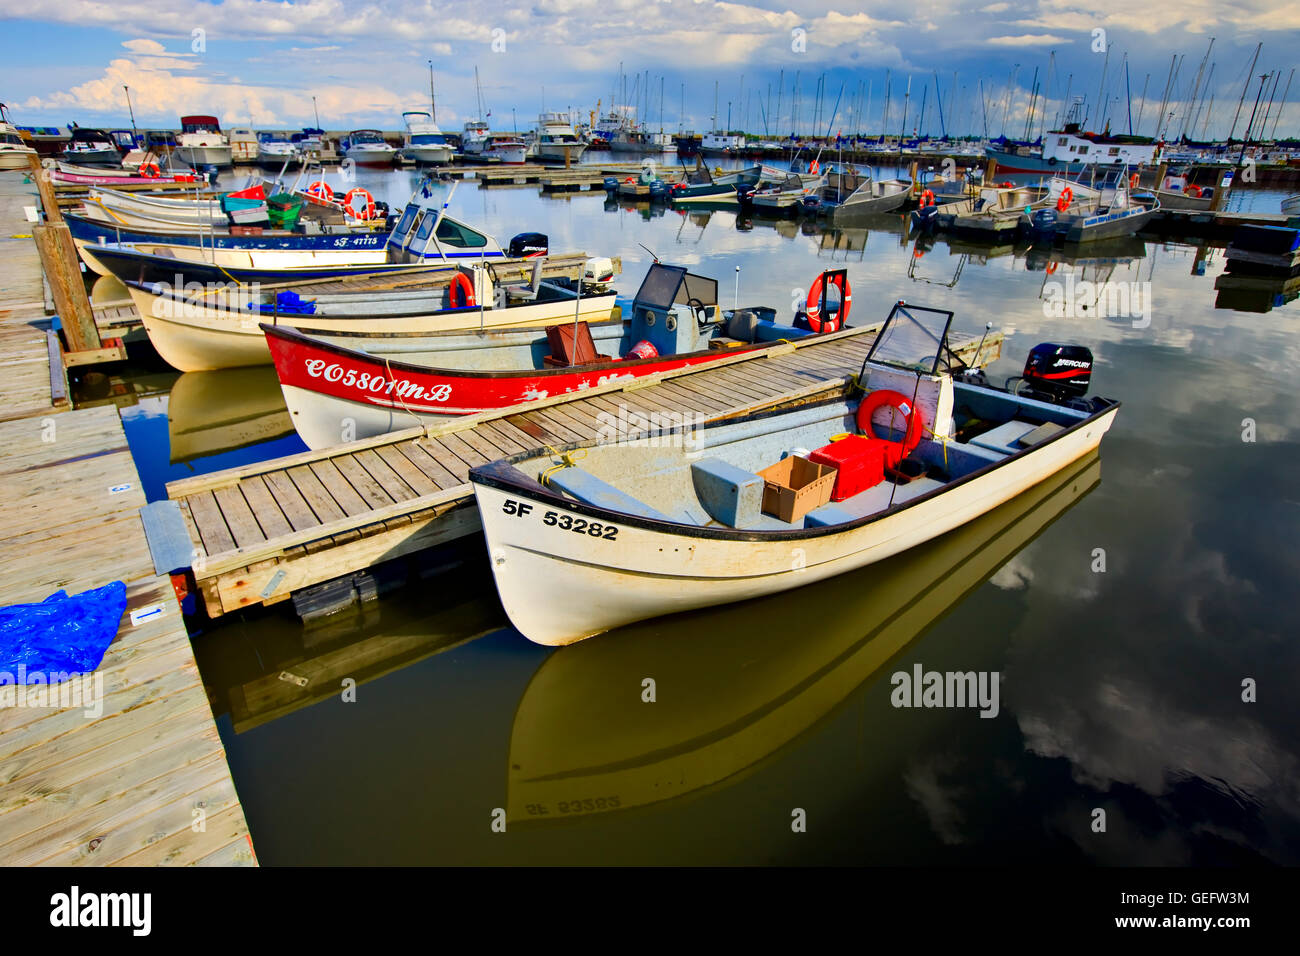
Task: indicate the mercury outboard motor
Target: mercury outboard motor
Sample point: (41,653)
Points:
(1059,374)
(926,217)
(527,244)
(1043,222)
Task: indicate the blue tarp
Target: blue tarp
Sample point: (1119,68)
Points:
(62,633)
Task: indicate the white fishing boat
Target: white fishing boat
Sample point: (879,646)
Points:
(425,142)
(201,142)
(504,148)
(366,147)
(556,139)
(202,328)
(588,537)
(14,153)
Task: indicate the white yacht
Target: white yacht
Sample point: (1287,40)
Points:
(424,140)
(14,153)
(202,143)
(556,139)
(366,147)
(274,150)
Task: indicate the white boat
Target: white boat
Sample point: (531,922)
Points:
(556,139)
(366,147)
(504,148)
(201,142)
(273,150)
(218,328)
(424,140)
(91,147)
(1291,205)
(14,153)
(785,196)
(719,143)
(243,145)
(589,537)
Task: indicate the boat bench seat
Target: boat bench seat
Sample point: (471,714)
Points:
(1007,437)
(868,502)
(587,488)
(729,494)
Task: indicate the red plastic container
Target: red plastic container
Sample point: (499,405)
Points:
(859,462)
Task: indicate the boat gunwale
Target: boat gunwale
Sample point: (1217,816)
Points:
(299,336)
(502,475)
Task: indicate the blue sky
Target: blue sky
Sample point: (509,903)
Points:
(261,62)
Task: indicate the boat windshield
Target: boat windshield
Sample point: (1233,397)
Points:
(915,338)
(665,286)
(427,139)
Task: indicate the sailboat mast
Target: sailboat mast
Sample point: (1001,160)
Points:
(1250,74)
(1281,106)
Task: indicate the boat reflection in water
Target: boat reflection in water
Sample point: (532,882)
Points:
(735,685)
(218,411)
(280,666)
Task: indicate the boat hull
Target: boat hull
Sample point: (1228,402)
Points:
(556,153)
(559,587)
(337,394)
(429,155)
(205,155)
(16,158)
(1104,226)
(1014,163)
(194,337)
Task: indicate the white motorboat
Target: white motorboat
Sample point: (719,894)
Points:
(91,147)
(556,139)
(366,147)
(274,150)
(589,537)
(14,153)
(425,142)
(1291,205)
(243,145)
(201,142)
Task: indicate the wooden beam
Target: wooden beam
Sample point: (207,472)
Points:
(63,272)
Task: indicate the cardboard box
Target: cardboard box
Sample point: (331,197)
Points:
(795,486)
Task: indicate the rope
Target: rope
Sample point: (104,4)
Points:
(424,426)
(567,460)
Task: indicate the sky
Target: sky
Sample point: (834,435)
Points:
(777,66)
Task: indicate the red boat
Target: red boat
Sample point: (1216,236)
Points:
(341,387)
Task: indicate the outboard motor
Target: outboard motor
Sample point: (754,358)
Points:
(926,217)
(744,193)
(1043,222)
(611,184)
(527,244)
(1059,374)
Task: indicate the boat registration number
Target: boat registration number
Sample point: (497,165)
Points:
(587,805)
(594,529)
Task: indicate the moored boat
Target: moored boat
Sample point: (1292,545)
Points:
(201,142)
(383,382)
(556,139)
(592,536)
(425,142)
(14,153)
(366,147)
(91,147)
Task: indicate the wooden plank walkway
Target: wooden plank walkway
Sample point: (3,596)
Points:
(121,786)
(265,530)
(118,782)
(27,386)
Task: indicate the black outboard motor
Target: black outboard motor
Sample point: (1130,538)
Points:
(1059,374)
(926,217)
(1043,222)
(527,244)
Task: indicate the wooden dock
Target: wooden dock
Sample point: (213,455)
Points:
(139,777)
(265,530)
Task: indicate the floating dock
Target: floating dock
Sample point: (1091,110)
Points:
(137,774)
(264,531)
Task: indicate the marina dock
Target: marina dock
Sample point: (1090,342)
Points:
(140,778)
(266,530)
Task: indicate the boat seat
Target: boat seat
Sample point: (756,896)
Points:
(585,487)
(524,291)
(729,494)
(868,502)
(1005,438)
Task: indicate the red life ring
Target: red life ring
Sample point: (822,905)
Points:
(368,212)
(1194,191)
(841,281)
(879,398)
(460,284)
(814,167)
(1133,181)
(150,170)
(1051,267)
(321,190)
(1067,197)
(927,198)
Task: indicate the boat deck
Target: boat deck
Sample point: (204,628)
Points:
(266,530)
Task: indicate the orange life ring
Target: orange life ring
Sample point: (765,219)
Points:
(1194,191)
(150,170)
(879,398)
(366,213)
(460,284)
(1133,181)
(1051,268)
(1067,197)
(321,190)
(814,167)
(841,281)
(927,198)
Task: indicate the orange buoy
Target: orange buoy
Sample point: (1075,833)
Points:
(879,398)
(833,321)
(461,288)
(368,211)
